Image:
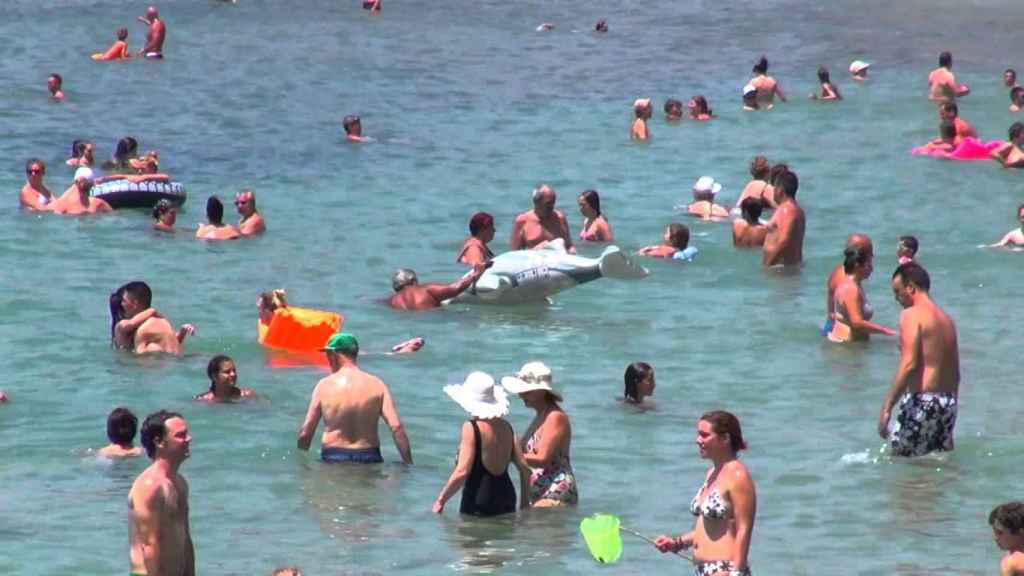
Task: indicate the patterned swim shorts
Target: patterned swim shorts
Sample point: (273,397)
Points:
(924,424)
(713,567)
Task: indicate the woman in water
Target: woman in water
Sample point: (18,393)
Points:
(223,382)
(642,111)
(126,151)
(828,90)
(725,505)
(488,444)
(673,110)
(759,187)
(852,312)
(474,249)
(164,216)
(1011,154)
(677,239)
(699,109)
(639,379)
(595,225)
(35,196)
(547,441)
(703,205)
(748,231)
(81,154)
(215,228)
(767,87)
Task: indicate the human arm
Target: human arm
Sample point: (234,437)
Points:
(149,511)
(910,359)
(467,454)
(828,92)
(313,414)
(115,51)
(603,231)
(473,254)
(779,92)
(190,553)
(29,199)
(666,543)
(524,474)
(744,502)
(777,240)
(516,240)
(566,233)
(125,329)
(390,414)
(103,206)
(1008,238)
(442,292)
(555,432)
(185,330)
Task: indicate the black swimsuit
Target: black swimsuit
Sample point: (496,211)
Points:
(486,494)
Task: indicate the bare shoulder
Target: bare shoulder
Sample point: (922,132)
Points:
(1013,564)
(737,473)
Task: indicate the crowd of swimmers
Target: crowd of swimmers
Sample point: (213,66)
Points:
(917,414)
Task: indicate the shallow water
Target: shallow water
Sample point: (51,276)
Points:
(471,108)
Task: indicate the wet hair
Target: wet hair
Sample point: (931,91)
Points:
(139,291)
(214,210)
(913,273)
(592,199)
(1015,94)
(950,107)
(1011,72)
(58,78)
(761,66)
(947,130)
(751,209)
(1009,516)
(908,243)
(823,75)
(702,104)
(403,277)
(945,59)
(480,221)
(350,121)
(855,256)
(636,373)
(723,422)
(788,183)
(1015,130)
(121,426)
(776,171)
(154,428)
(78,147)
(32,162)
(161,208)
(673,107)
(213,367)
(601,26)
(678,235)
(126,148)
(122,33)
(759,167)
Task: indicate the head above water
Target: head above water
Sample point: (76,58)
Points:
(162,208)
(601,26)
(787,184)
(699,105)
(480,222)
(35,167)
(152,13)
(1017,95)
(913,274)
(776,170)
(138,291)
(214,211)
(823,75)
(154,430)
(55,81)
(1010,77)
(751,209)
(213,367)
(636,373)
(1015,132)
(122,426)
(945,60)
(673,108)
(592,199)
(544,199)
(342,343)
(678,235)
(857,256)
(353,125)
(122,34)
(948,110)
(859,240)
(723,423)
(127,147)
(759,168)
(761,66)
(245,201)
(907,245)
(402,278)
(947,131)
(1008,517)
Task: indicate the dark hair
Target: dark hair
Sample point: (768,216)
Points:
(759,167)
(702,104)
(679,235)
(947,130)
(592,199)
(479,221)
(122,33)
(33,161)
(126,147)
(761,66)
(214,366)
(776,171)
(77,147)
(945,59)
(751,209)
(636,373)
(121,426)
(910,243)
(154,429)
(162,207)
(601,26)
(140,291)
(1010,71)
(1015,130)
(855,256)
(673,107)
(57,77)
(823,75)
(214,210)
(1015,93)
(913,273)
(1009,515)
(950,107)
(350,121)
(788,182)
(723,422)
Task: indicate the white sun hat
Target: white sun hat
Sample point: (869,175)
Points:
(858,65)
(532,376)
(707,185)
(479,396)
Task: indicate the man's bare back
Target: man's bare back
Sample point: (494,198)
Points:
(351,403)
(156,335)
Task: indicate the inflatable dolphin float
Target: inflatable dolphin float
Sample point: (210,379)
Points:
(533,275)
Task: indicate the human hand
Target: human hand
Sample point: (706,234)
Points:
(883,424)
(666,544)
(438,507)
(188,329)
(889,332)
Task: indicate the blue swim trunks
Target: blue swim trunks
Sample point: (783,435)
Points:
(827,327)
(360,455)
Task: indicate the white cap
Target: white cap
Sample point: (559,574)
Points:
(641,103)
(858,65)
(84,173)
(707,185)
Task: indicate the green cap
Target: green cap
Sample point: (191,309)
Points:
(342,343)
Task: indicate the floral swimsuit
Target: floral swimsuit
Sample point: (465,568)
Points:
(555,481)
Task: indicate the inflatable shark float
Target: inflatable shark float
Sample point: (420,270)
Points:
(533,275)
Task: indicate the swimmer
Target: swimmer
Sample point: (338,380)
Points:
(906,249)
(53,84)
(224,382)
(81,153)
(946,142)
(838,276)
(137,326)
(703,205)
(545,27)
(767,87)
(949,112)
(474,249)
(535,228)
(942,84)
(126,150)
(373,6)
(1016,98)
(859,70)
(121,428)
(673,110)
(1007,522)
(354,129)
(251,222)
(1010,78)
(760,187)
(748,232)
(118,50)
(852,316)
(35,196)
(601,26)
(699,109)
(828,90)
(676,241)
(1013,237)
(215,228)
(642,111)
(750,99)
(154,47)
(595,226)
(784,243)
(639,380)
(411,295)
(164,216)
(76,200)
(1011,154)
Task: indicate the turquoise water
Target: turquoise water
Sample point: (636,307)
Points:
(471,109)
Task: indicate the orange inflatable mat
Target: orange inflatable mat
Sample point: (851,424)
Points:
(299,329)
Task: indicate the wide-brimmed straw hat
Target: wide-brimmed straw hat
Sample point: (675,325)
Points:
(532,376)
(479,396)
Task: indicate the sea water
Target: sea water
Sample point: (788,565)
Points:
(470,108)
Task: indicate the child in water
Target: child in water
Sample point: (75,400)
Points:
(906,249)
(1007,522)
(121,428)
(118,50)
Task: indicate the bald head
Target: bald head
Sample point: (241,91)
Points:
(544,200)
(860,241)
(151,13)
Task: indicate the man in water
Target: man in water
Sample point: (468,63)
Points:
(121,428)
(784,243)
(353,126)
(942,86)
(949,112)
(1010,78)
(535,228)
(141,328)
(1013,237)
(160,542)
(53,84)
(1007,522)
(927,381)
(251,222)
(76,200)
(838,276)
(351,402)
(411,295)
(154,47)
